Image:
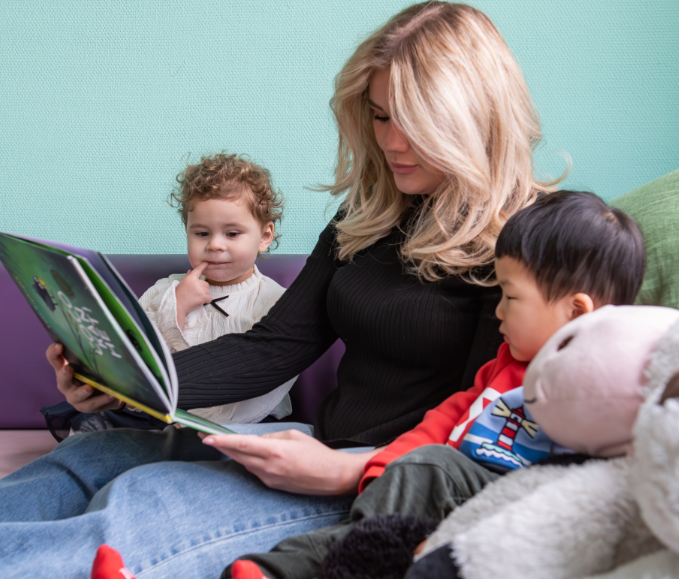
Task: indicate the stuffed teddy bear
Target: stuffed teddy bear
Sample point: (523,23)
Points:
(585,388)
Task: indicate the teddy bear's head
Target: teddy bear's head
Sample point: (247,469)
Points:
(584,387)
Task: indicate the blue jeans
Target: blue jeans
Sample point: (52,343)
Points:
(168,518)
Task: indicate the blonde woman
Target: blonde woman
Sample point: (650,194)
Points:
(436,132)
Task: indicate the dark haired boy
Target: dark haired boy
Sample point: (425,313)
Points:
(564,256)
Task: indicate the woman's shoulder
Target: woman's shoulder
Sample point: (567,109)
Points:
(329,234)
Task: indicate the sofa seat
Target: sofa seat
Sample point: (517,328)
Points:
(19,447)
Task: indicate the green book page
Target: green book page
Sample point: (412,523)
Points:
(146,324)
(128,325)
(197,423)
(74,317)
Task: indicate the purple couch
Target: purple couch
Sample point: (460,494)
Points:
(28,380)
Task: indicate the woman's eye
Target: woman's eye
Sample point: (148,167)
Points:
(381,119)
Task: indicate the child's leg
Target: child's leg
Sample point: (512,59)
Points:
(427,482)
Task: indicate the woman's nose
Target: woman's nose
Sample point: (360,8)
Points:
(395,140)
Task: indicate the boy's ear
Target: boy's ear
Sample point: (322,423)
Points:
(267,237)
(580,303)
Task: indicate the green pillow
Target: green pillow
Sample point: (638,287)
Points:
(655,207)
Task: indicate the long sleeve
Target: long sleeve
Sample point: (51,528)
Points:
(291,337)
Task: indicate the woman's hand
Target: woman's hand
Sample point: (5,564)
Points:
(192,292)
(294,462)
(82,397)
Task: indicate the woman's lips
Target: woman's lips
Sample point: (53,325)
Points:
(402,169)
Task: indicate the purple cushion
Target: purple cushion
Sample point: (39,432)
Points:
(28,380)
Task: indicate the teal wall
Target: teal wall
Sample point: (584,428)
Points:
(100,102)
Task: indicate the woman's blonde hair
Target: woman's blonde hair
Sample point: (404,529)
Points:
(460,98)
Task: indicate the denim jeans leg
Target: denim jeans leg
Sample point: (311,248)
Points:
(186,519)
(62,483)
(167,519)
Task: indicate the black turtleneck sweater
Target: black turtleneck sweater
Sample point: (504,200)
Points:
(409,344)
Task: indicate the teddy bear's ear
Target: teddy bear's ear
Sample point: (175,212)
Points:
(672,388)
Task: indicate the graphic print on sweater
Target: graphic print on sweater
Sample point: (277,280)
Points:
(505,436)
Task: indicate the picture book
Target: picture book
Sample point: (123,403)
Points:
(86,305)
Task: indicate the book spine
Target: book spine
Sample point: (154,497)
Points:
(164,417)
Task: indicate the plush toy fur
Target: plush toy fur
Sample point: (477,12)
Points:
(586,380)
(620,514)
(377,548)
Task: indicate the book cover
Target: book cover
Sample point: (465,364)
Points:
(106,335)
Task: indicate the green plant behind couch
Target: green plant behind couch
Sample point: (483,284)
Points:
(655,206)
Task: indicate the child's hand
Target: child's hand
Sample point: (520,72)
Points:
(192,292)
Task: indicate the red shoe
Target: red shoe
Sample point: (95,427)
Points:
(108,564)
(245,570)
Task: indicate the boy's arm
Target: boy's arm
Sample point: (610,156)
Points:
(435,428)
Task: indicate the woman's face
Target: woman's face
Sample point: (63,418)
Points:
(411,174)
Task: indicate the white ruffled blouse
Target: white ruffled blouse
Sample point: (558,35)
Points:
(246,303)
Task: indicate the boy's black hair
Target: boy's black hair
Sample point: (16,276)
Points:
(571,241)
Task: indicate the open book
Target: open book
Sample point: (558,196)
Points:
(112,345)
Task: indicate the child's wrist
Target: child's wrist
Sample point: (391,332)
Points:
(353,466)
(181,316)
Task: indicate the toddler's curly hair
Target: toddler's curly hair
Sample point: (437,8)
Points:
(224,176)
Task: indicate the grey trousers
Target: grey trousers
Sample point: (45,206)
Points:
(428,482)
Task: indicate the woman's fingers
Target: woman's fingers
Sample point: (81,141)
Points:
(242,444)
(291,434)
(293,461)
(54,356)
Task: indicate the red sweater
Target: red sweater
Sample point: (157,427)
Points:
(448,422)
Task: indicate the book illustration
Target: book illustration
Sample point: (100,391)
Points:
(100,334)
(119,299)
(41,290)
(505,436)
